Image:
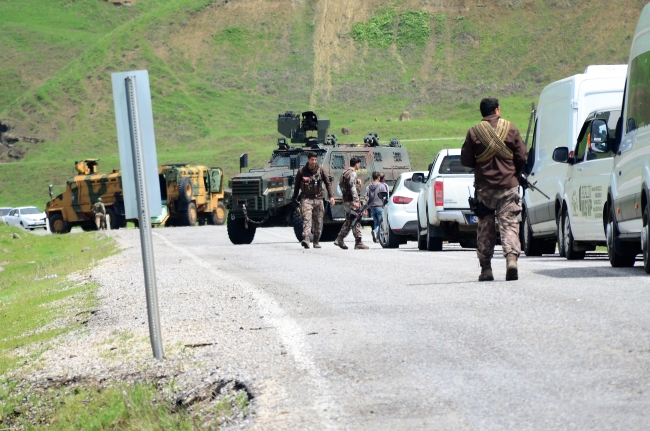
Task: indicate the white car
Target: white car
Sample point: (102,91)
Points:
(26,217)
(399,220)
(4,211)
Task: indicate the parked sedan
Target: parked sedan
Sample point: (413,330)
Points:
(4,211)
(399,221)
(26,217)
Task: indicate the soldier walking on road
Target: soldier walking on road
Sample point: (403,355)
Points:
(100,214)
(350,188)
(309,183)
(496,152)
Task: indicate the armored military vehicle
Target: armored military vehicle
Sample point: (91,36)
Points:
(73,207)
(192,193)
(262,197)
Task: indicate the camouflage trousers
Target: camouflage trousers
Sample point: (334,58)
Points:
(100,221)
(313,211)
(506,203)
(347,225)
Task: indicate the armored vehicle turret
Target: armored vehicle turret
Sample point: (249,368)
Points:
(262,197)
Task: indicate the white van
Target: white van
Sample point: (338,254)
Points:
(628,208)
(562,110)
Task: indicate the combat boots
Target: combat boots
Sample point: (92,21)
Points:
(304,243)
(316,244)
(511,268)
(339,243)
(486,272)
(359,245)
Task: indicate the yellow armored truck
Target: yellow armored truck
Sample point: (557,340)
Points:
(192,193)
(74,207)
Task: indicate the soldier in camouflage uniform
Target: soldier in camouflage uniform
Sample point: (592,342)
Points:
(100,214)
(496,152)
(351,189)
(309,183)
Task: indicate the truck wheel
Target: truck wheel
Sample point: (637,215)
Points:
(185,190)
(189,216)
(530,245)
(238,233)
(387,239)
(296,221)
(58,225)
(568,240)
(615,259)
(220,214)
(645,238)
(114,219)
(560,233)
(434,243)
(422,240)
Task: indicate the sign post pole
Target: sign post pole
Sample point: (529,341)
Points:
(144,218)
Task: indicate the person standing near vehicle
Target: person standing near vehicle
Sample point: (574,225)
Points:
(100,214)
(351,189)
(495,150)
(309,183)
(376,203)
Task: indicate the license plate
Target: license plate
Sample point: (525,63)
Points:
(473,219)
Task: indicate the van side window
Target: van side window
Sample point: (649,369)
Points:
(581,148)
(530,161)
(638,114)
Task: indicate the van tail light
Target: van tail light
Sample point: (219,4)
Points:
(402,200)
(439,194)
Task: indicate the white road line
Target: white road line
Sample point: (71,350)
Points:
(290,332)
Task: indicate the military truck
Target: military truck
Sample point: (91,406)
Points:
(262,197)
(192,193)
(73,207)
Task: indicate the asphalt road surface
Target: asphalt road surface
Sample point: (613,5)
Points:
(407,339)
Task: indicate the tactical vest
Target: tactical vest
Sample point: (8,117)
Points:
(344,185)
(311,185)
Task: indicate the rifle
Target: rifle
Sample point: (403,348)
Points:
(523,182)
(358,213)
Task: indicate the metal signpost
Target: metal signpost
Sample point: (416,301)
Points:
(134,120)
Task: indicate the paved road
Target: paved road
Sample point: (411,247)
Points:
(407,339)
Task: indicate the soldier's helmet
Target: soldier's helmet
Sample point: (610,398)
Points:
(99,199)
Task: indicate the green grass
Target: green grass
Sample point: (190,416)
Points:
(28,304)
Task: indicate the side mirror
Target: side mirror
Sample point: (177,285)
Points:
(631,125)
(417,178)
(243,161)
(599,137)
(561,155)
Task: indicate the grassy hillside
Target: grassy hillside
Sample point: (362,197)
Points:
(221,71)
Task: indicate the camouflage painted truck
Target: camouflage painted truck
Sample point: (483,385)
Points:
(191,194)
(201,198)
(262,197)
(74,207)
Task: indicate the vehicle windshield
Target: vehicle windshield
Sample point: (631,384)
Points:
(451,166)
(32,210)
(4,211)
(283,159)
(414,187)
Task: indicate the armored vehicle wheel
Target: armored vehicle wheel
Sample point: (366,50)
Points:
(220,214)
(114,218)
(330,232)
(189,216)
(296,220)
(185,190)
(58,225)
(238,233)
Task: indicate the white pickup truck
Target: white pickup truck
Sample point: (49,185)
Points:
(443,207)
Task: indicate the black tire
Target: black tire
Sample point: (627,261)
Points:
(58,225)
(434,243)
(189,216)
(645,238)
(530,246)
(469,243)
(569,242)
(615,259)
(387,239)
(560,233)
(220,215)
(422,239)
(185,190)
(115,219)
(238,233)
(330,232)
(296,221)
